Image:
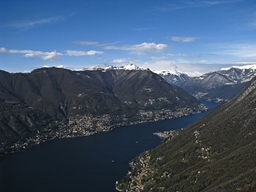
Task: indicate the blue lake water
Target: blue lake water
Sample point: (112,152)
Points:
(89,164)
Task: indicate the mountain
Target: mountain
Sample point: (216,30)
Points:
(53,103)
(174,77)
(220,85)
(216,153)
(110,67)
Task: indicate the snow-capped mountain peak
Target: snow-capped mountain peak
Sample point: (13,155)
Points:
(110,67)
(173,76)
(174,71)
(253,67)
(131,67)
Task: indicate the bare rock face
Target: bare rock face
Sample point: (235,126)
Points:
(52,103)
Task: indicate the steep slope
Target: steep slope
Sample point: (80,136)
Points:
(218,85)
(53,103)
(216,153)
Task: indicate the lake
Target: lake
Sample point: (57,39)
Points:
(93,163)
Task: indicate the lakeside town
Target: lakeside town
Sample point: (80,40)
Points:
(79,126)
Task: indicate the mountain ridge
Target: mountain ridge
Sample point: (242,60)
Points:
(215,153)
(220,85)
(80,103)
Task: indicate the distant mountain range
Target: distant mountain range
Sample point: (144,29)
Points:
(53,103)
(215,86)
(174,77)
(216,153)
(110,67)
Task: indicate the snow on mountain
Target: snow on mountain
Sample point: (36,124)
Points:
(253,67)
(131,67)
(220,85)
(239,74)
(110,67)
(173,76)
(174,71)
(234,74)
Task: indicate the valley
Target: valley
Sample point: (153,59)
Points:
(105,96)
(53,103)
(93,163)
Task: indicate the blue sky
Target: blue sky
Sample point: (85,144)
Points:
(193,35)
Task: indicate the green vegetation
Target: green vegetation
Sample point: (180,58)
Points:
(216,153)
(53,103)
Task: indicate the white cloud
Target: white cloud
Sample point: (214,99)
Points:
(3,50)
(183,39)
(82,53)
(143,47)
(48,55)
(43,55)
(137,48)
(33,54)
(121,60)
(93,52)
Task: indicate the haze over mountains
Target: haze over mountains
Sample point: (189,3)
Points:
(53,103)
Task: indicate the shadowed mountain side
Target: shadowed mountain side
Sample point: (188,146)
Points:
(219,85)
(54,103)
(216,153)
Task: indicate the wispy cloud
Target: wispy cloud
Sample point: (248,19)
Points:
(137,48)
(94,43)
(143,29)
(252,22)
(220,2)
(183,39)
(120,60)
(33,54)
(52,56)
(184,55)
(143,47)
(178,5)
(82,53)
(241,50)
(33,23)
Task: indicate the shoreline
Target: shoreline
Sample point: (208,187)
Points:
(73,130)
